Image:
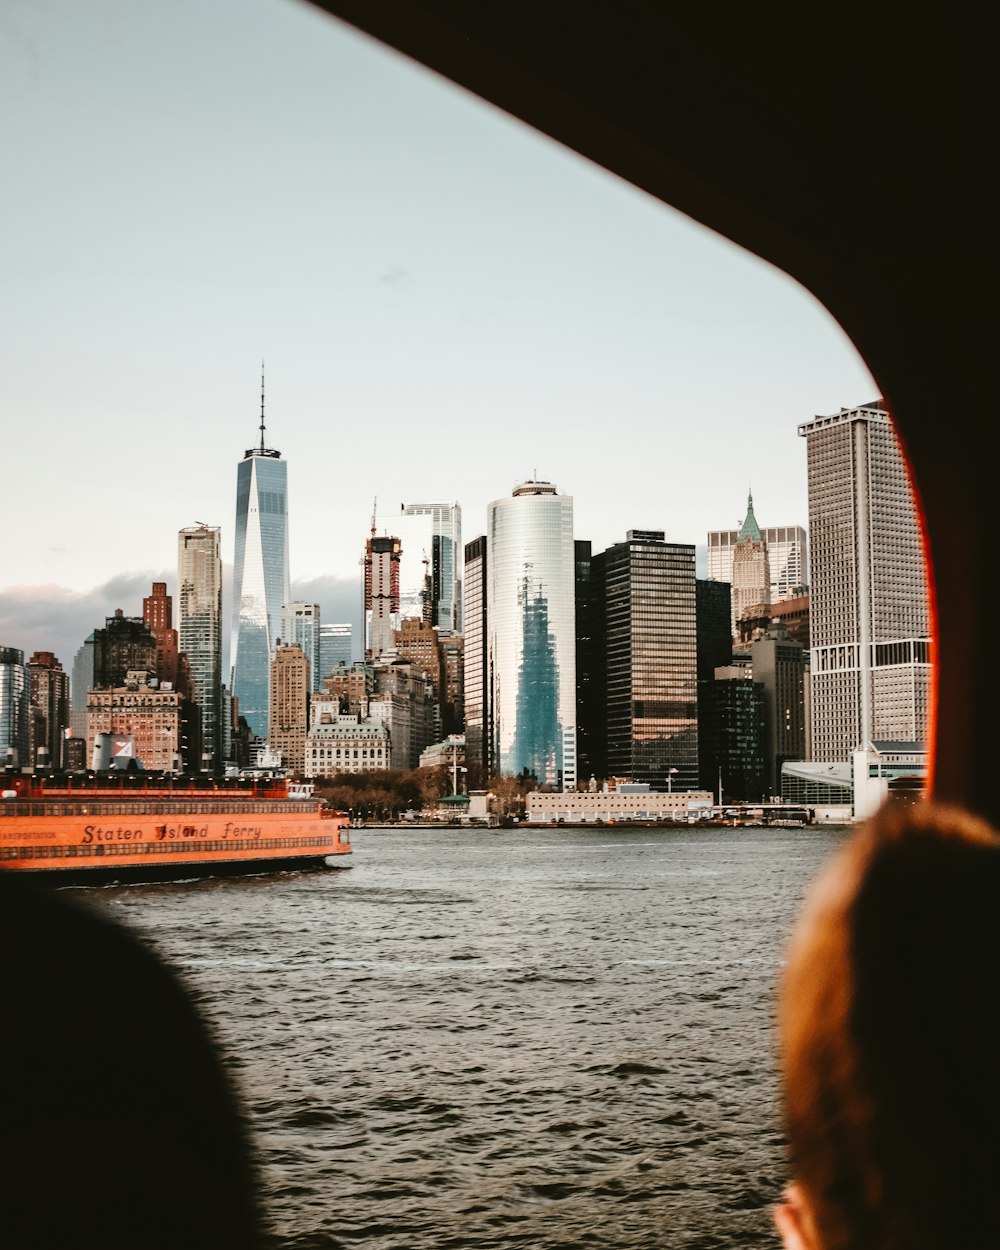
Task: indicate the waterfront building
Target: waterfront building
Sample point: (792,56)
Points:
(645,634)
(382,618)
(302,629)
(289,713)
(430,570)
(125,644)
(15,708)
(418,643)
(617,805)
(452,648)
(403,702)
(345,690)
(870,663)
(714,646)
(449,755)
(779,665)
(734,723)
(199,581)
(476,689)
(531,628)
(260,576)
(345,743)
(141,708)
(157,612)
(49,694)
(336,647)
(751,576)
(81,683)
(591,740)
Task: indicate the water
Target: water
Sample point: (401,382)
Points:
(500,1039)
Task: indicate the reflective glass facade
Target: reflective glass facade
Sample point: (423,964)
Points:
(477,713)
(645,629)
(15,701)
(303,630)
(199,626)
(260,580)
(430,569)
(336,644)
(532,633)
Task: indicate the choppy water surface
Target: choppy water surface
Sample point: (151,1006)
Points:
(498,1039)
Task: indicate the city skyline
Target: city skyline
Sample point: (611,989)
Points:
(418,271)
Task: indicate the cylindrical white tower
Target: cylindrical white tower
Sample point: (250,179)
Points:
(531,630)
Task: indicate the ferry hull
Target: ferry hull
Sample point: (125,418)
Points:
(170,845)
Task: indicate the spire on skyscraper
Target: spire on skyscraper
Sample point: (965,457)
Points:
(749,529)
(262,407)
(263,449)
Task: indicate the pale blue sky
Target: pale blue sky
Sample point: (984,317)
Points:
(446,302)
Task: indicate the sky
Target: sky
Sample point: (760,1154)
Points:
(444,303)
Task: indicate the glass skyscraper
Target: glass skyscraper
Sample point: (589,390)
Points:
(15,707)
(336,644)
(644,619)
(532,633)
(303,630)
(260,577)
(430,567)
(477,694)
(199,582)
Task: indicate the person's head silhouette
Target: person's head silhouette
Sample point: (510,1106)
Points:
(890,1027)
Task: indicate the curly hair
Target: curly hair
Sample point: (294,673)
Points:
(889,1023)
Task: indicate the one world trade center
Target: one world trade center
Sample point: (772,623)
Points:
(260,576)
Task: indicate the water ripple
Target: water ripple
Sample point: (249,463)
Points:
(550,1039)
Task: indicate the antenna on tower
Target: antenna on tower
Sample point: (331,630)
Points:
(374,510)
(262,405)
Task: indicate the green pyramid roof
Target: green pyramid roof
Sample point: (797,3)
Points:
(750,529)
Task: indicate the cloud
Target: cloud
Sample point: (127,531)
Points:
(53,618)
(339,599)
(393,274)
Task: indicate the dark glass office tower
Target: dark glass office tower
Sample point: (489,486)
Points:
(260,576)
(477,693)
(715,650)
(643,606)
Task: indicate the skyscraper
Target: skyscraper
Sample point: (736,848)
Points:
(869,620)
(531,624)
(644,614)
(81,683)
(478,724)
(302,629)
(199,581)
(157,612)
(290,706)
(430,571)
(382,615)
(786,557)
(336,642)
(50,707)
(260,576)
(751,580)
(15,707)
(125,644)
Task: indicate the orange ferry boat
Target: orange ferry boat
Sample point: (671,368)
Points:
(128,825)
